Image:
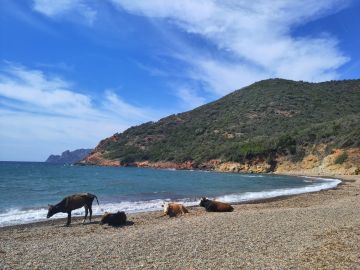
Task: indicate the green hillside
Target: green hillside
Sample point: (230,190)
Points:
(267,118)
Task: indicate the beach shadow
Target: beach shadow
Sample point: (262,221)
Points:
(128,223)
(75,224)
(90,223)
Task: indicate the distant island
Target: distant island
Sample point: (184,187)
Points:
(273,125)
(69,157)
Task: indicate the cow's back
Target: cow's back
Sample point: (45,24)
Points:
(176,209)
(76,201)
(184,209)
(114,219)
(222,207)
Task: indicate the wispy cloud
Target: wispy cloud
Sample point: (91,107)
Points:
(223,77)
(64,8)
(56,66)
(38,109)
(256,36)
(189,98)
(152,71)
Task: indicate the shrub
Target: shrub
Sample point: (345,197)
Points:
(341,158)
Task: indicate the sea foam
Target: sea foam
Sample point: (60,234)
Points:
(326,183)
(20,216)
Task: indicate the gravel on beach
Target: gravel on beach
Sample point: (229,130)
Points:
(309,231)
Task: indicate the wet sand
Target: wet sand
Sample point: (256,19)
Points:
(310,231)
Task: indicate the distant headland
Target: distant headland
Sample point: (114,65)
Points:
(69,157)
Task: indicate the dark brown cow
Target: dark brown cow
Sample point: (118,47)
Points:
(73,202)
(214,206)
(116,219)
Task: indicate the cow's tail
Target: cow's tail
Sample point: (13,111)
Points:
(98,203)
(92,196)
(96,199)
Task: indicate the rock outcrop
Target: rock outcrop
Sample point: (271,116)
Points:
(314,164)
(69,157)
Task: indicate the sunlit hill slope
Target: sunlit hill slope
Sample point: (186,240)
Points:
(272,125)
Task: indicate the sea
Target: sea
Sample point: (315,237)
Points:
(26,188)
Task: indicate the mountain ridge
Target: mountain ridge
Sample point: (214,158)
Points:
(264,123)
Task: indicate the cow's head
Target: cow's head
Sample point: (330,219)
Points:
(166,208)
(104,218)
(203,201)
(51,211)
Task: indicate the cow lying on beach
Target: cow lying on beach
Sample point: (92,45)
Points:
(214,206)
(174,209)
(73,202)
(116,219)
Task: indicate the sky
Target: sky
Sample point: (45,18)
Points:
(73,72)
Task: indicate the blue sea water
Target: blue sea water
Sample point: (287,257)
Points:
(26,188)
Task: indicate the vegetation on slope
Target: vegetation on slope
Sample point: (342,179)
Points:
(265,119)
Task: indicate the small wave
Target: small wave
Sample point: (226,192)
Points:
(23,216)
(319,178)
(327,183)
(253,176)
(18,216)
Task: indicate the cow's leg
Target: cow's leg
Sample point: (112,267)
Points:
(90,210)
(68,219)
(86,213)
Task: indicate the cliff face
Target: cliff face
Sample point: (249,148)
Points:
(271,126)
(69,157)
(310,165)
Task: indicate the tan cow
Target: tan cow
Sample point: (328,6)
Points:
(174,209)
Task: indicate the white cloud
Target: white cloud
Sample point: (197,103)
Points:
(43,114)
(57,66)
(152,71)
(256,34)
(224,77)
(52,94)
(62,8)
(189,97)
(116,105)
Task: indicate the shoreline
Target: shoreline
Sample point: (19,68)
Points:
(318,230)
(246,201)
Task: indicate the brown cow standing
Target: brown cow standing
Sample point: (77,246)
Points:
(174,209)
(214,206)
(73,202)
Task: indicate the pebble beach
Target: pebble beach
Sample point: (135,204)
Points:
(310,231)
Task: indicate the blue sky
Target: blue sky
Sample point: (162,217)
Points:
(73,72)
